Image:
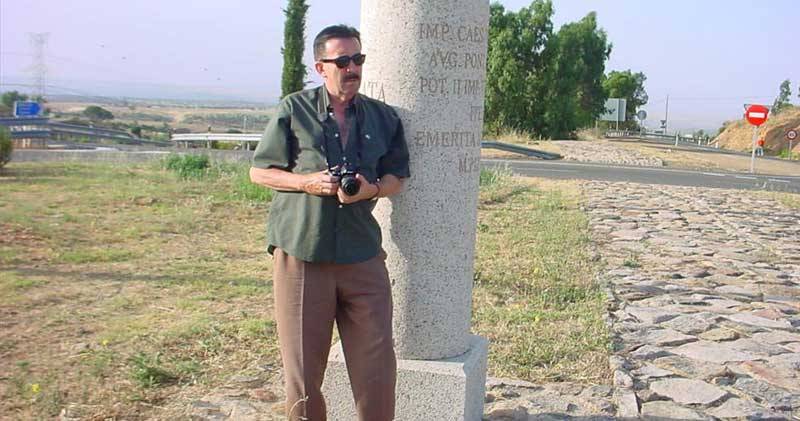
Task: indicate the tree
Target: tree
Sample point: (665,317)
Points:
(544,83)
(10,97)
(95,113)
(629,86)
(294,72)
(516,63)
(574,77)
(783,100)
(6,146)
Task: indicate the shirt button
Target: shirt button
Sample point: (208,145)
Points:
(340,206)
(336,135)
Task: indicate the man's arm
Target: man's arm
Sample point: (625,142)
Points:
(318,183)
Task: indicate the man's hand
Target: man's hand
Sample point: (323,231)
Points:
(320,184)
(366,191)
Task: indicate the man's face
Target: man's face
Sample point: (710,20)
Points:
(342,82)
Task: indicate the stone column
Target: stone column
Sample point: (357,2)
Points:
(427,58)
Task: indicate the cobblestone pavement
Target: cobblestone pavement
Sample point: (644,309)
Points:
(605,152)
(706,287)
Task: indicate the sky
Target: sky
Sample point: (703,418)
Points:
(710,57)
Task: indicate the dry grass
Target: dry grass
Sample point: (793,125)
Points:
(122,286)
(131,292)
(535,294)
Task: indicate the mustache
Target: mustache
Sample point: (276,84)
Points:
(352,76)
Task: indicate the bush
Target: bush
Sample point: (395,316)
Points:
(6,147)
(246,189)
(188,166)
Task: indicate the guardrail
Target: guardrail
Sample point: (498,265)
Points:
(38,131)
(665,138)
(245,140)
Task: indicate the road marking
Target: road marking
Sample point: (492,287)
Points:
(714,174)
(778,181)
(744,177)
(757,115)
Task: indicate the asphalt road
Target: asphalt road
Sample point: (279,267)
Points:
(647,175)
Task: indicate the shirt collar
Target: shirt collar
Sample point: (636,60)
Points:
(324,102)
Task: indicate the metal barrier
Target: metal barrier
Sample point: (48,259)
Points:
(245,140)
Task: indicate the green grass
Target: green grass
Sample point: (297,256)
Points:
(535,295)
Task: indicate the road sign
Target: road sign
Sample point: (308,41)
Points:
(756,114)
(27,109)
(641,114)
(663,124)
(791,134)
(615,110)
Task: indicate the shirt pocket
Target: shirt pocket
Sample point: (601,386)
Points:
(310,156)
(373,148)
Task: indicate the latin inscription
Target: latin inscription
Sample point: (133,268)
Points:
(449,33)
(375,90)
(450,60)
(444,86)
(468,67)
(452,139)
(468,164)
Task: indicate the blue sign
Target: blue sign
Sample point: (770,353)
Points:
(27,109)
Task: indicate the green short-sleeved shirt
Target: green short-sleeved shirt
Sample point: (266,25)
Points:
(320,229)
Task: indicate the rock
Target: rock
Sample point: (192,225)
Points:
(764,393)
(688,391)
(649,371)
(769,313)
(754,320)
(701,273)
(776,337)
(508,411)
(739,292)
(772,375)
(719,335)
(691,324)
(598,391)
(663,410)
(264,395)
(691,368)
(648,352)
(622,379)
(627,405)
(739,409)
(667,337)
(649,315)
(509,394)
(712,352)
(630,235)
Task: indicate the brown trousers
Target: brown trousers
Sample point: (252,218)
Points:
(308,298)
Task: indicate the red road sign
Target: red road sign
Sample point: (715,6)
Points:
(791,134)
(756,114)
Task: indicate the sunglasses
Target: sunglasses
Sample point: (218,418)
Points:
(344,61)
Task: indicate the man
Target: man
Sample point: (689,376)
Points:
(326,245)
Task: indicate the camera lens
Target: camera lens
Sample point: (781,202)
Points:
(349,185)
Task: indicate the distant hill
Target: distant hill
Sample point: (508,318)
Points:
(738,135)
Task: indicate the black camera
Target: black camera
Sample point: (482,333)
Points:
(347,179)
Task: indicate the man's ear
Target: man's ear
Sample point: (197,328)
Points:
(320,70)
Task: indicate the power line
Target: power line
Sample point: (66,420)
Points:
(38,67)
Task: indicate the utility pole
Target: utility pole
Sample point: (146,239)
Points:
(38,67)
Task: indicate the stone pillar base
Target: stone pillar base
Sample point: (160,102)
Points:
(452,389)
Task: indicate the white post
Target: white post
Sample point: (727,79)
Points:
(753,153)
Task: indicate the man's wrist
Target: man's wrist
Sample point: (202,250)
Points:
(377,194)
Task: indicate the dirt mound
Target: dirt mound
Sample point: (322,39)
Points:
(738,135)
